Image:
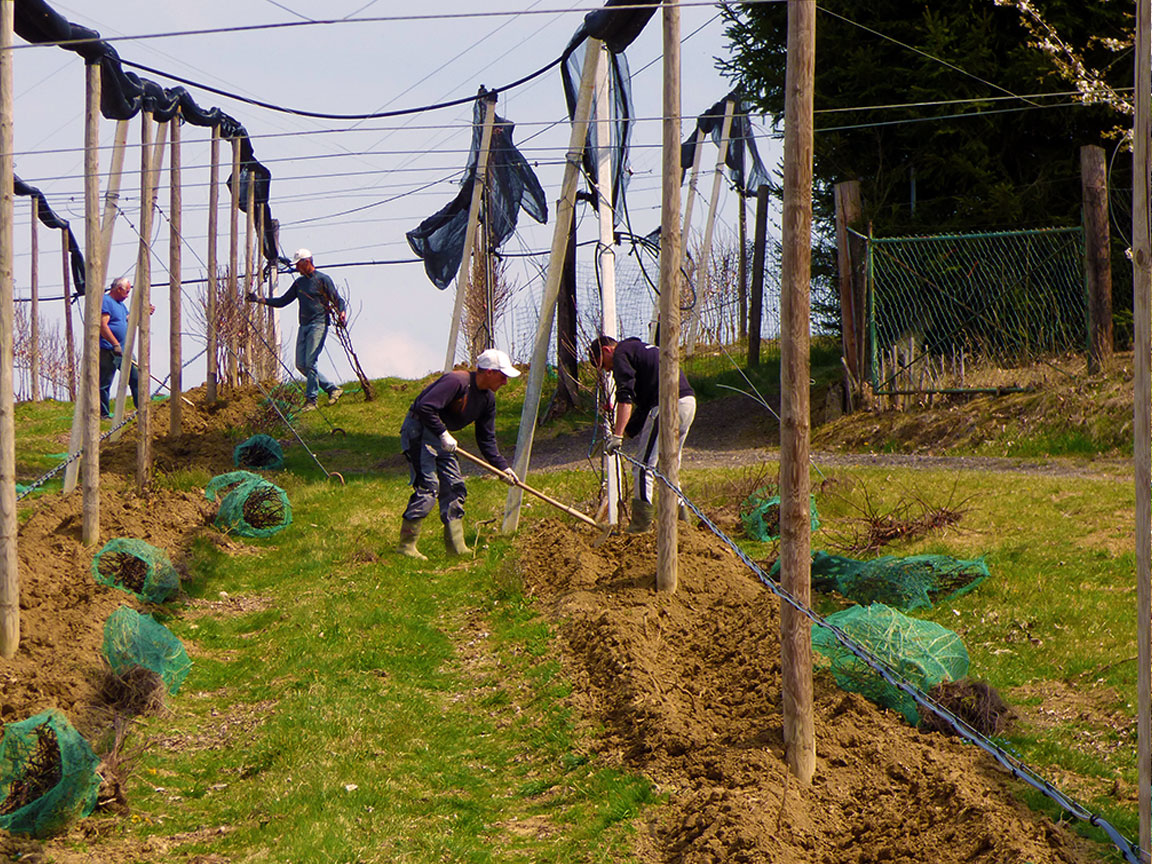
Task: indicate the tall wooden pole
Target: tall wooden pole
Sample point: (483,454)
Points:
(89,402)
(742,267)
(465,270)
(175,285)
(210,302)
(667,536)
(796,264)
(1142,414)
(34,311)
(9,572)
(759,251)
(1097,254)
(69,339)
(259,314)
(702,274)
(249,371)
(849,212)
(143,305)
(233,262)
(565,209)
(606,258)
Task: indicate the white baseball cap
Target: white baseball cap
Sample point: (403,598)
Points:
(299,255)
(496,359)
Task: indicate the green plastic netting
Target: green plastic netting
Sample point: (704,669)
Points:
(760,515)
(923,652)
(914,582)
(255,508)
(132,639)
(47,775)
(222,484)
(259,451)
(138,567)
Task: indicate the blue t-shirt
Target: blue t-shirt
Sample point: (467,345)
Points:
(117,314)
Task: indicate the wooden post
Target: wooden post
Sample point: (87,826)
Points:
(175,285)
(605,258)
(465,270)
(143,306)
(213,291)
(112,198)
(233,264)
(709,224)
(795,532)
(69,340)
(9,562)
(848,260)
(565,208)
(742,267)
(759,252)
(258,317)
(1142,412)
(667,537)
(693,177)
(1097,255)
(89,401)
(34,311)
(249,372)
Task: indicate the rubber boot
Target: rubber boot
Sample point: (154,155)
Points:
(454,537)
(685,514)
(641,517)
(409,531)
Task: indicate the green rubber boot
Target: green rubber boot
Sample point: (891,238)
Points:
(641,517)
(454,537)
(409,531)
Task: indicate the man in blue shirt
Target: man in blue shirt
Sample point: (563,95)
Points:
(113,332)
(448,404)
(319,301)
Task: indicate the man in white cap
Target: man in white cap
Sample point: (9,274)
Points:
(319,302)
(447,405)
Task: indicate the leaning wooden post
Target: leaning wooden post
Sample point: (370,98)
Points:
(470,231)
(1097,257)
(34,310)
(849,213)
(697,158)
(89,401)
(796,262)
(9,562)
(667,537)
(1142,412)
(702,276)
(213,291)
(175,283)
(258,314)
(233,266)
(112,197)
(759,251)
(565,209)
(69,339)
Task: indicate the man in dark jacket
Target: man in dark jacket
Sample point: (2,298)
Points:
(447,405)
(635,368)
(319,301)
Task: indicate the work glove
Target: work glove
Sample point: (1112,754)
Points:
(118,350)
(447,442)
(510,477)
(613,444)
(252,298)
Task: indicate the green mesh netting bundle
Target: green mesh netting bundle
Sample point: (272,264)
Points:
(760,515)
(914,582)
(924,653)
(255,508)
(132,639)
(47,775)
(138,567)
(259,451)
(222,484)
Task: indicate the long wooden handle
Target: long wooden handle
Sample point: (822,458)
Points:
(527,488)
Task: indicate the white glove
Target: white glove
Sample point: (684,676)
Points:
(510,477)
(447,442)
(613,444)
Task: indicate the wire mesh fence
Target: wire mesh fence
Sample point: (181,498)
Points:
(940,305)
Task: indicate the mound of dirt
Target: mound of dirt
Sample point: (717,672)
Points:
(687,689)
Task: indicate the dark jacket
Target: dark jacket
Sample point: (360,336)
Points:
(317,295)
(636,371)
(453,401)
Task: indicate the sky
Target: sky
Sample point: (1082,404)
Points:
(346,190)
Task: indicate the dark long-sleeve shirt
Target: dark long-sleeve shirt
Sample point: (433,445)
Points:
(636,371)
(453,401)
(317,295)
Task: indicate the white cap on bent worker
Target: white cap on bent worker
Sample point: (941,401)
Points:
(494,358)
(299,255)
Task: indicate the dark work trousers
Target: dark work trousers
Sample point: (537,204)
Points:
(432,474)
(109,365)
